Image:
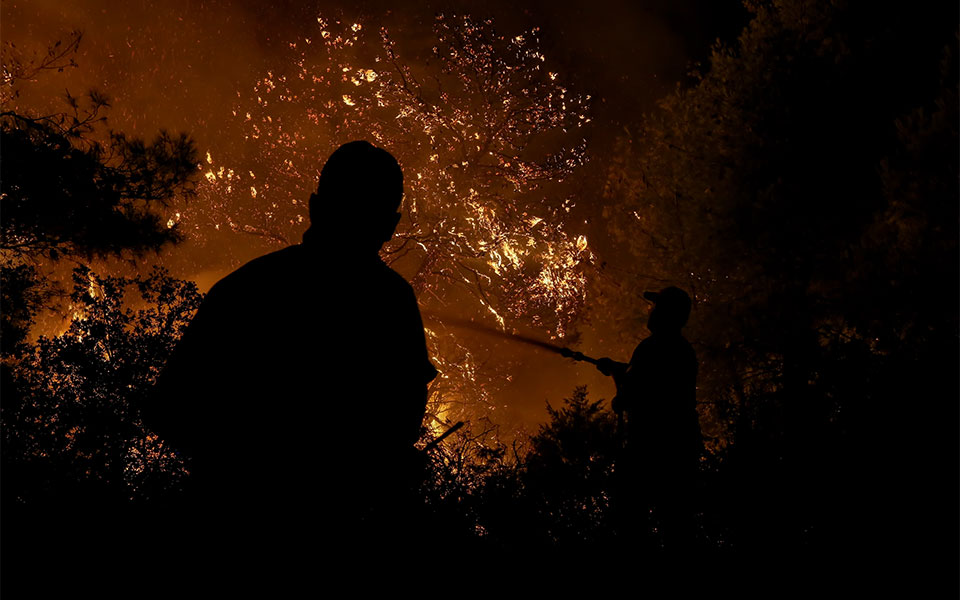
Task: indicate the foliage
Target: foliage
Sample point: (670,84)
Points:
(757,188)
(71,424)
(459,472)
(21,297)
(71,190)
(488,138)
(569,470)
(801,190)
(804,191)
(547,491)
(66,195)
(17,66)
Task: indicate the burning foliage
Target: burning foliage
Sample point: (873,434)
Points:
(486,135)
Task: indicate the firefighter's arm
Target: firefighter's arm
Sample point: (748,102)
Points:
(621,373)
(612,368)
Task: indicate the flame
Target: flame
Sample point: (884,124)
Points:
(472,204)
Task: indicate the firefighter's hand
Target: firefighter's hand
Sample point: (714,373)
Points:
(607,366)
(571,354)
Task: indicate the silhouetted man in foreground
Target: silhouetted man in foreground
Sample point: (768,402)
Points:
(298,390)
(656,392)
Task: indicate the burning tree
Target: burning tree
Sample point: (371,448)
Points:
(71,424)
(74,191)
(486,135)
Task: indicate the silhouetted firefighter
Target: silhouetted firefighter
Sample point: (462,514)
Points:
(299,388)
(656,392)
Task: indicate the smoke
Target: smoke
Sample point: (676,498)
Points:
(180,64)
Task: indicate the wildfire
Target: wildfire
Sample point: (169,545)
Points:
(481,217)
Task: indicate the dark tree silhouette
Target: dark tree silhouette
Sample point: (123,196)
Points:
(802,188)
(22,295)
(552,493)
(72,189)
(78,468)
(65,194)
(569,468)
(73,421)
(73,449)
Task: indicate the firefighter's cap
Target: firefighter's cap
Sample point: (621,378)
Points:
(672,299)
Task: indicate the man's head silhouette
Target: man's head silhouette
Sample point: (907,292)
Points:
(358,197)
(670,311)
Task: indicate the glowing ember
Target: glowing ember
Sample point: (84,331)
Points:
(485,218)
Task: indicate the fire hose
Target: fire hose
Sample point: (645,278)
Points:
(604,365)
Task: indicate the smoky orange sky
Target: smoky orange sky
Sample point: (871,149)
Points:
(180,64)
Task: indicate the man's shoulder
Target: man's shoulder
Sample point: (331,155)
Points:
(661,345)
(394,279)
(374,277)
(274,265)
(392,293)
